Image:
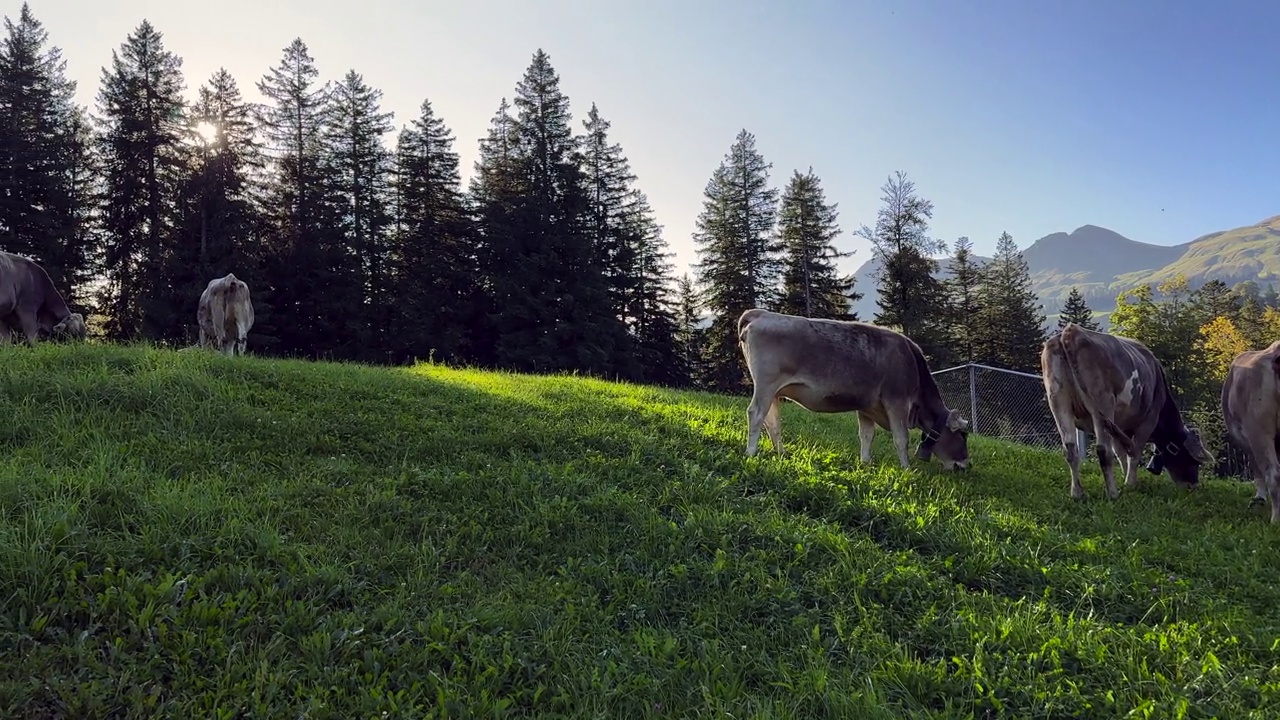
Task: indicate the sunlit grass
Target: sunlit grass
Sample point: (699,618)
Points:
(184,535)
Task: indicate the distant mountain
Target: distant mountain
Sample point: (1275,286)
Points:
(1102,263)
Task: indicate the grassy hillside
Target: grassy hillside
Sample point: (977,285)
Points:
(183,535)
(1246,253)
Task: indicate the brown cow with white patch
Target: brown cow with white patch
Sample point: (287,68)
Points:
(1251,410)
(1115,388)
(30,303)
(225,315)
(831,366)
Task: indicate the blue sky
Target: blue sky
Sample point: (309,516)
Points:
(1157,120)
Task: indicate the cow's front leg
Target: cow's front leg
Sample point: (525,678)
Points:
(1131,466)
(30,326)
(901,435)
(866,434)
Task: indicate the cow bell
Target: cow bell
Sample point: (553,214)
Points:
(1156,464)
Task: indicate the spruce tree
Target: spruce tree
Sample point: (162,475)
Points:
(494,194)
(963,288)
(222,227)
(910,294)
(609,186)
(1076,310)
(649,311)
(43,151)
(738,253)
(690,337)
(145,149)
(437,283)
(1011,320)
(553,311)
(1216,299)
(812,286)
(360,174)
(305,244)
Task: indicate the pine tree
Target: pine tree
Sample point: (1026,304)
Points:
(360,174)
(305,245)
(1216,299)
(43,149)
(811,284)
(963,289)
(648,303)
(1076,310)
(552,306)
(437,283)
(83,174)
(145,153)
(609,186)
(690,337)
(493,195)
(910,294)
(222,228)
(738,254)
(1011,320)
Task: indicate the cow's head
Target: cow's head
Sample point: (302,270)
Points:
(1181,459)
(73,325)
(949,441)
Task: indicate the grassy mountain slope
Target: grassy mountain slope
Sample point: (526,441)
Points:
(1245,253)
(1103,263)
(184,535)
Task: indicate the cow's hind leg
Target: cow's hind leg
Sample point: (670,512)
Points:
(1066,422)
(773,425)
(866,434)
(1106,457)
(763,402)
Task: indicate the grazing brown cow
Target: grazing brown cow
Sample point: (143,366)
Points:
(831,366)
(1115,388)
(1251,410)
(30,303)
(225,315)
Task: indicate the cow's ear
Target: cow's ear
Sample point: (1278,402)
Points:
(1196,447)
(955,423)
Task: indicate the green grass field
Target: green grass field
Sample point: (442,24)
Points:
(188,536)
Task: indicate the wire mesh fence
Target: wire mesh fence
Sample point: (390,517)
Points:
(1011,405)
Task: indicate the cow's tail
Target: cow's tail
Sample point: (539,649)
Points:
(238,298)
(1069,339)
(218,315)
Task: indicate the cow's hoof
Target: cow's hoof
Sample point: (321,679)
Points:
(1080,498)
(1255,501)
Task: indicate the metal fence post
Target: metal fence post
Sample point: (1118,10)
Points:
(973,397)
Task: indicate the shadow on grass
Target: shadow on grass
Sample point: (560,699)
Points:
(985,531)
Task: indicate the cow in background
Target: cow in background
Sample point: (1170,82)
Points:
(831,366)
(1251,410)
(30,303)
(1114,387)
(225,315)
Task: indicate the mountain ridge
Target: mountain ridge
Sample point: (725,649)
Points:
(1103,263)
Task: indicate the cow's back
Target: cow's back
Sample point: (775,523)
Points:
(16,281)
(1251,392)
(831,365)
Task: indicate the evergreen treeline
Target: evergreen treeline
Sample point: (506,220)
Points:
(360,242)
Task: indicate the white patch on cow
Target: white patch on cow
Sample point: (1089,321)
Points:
(1130,389)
